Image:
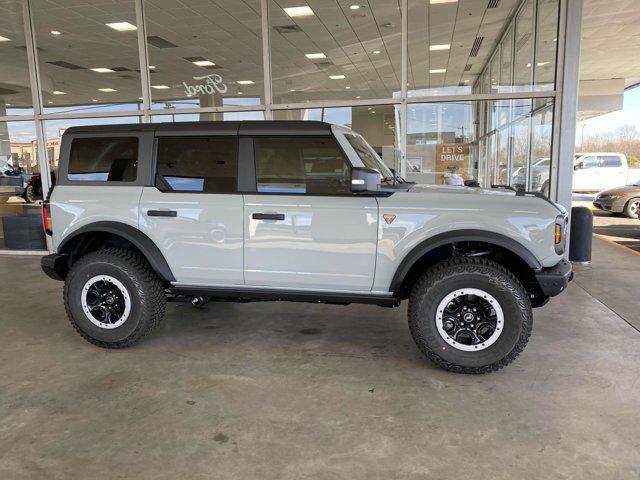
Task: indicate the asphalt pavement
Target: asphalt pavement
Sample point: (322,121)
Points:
(616,227)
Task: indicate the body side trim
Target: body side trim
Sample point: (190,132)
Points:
(142,242)
(460,236)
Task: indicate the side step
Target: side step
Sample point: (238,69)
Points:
(266,295)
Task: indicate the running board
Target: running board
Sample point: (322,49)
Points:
(267,295)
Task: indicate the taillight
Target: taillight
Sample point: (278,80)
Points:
(46,218)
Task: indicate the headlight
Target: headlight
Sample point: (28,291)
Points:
(560,234)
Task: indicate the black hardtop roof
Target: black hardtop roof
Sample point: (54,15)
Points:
(245,127)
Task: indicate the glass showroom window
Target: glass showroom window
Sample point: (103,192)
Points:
(376,123)
(441,146)
(205,54)
(15,89)
(88,57)
(21,221)
(546,43)
(523,48)
(332,51)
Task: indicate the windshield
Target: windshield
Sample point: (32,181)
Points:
(636,183)
(368,155)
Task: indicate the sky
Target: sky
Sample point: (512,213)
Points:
(629,115)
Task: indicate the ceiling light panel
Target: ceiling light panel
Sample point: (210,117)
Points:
(4,39)
(302,11)
(314,56)
(122,26)
(102,70)
(245,82)
(436,48)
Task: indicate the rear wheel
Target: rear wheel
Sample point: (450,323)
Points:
(113,298)
(29,195)
(470,315)
(632,209)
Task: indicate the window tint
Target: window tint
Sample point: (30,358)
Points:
(301,165)
(106,159)
(610,161)
(198,164)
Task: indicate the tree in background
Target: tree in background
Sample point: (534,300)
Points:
(625,139)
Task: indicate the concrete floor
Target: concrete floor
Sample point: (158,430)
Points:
(295,391)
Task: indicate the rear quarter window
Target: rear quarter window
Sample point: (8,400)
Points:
(104,159)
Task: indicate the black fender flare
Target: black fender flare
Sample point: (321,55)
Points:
(460,236)
(141,241)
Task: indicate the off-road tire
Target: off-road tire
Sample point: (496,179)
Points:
(29,195)
(628,208)
(145,289)
(470,272)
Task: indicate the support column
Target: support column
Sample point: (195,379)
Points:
(566,103)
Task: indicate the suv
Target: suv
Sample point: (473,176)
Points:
(292,210)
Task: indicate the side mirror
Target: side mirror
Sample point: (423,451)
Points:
(365,179)
(578,166)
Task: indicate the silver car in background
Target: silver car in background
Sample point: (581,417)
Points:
(625,199)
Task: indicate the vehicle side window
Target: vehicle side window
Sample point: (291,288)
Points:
(610,161)
(104,159)
(301,165)
(197,164)
(590,162)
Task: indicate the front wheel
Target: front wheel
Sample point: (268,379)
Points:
(470,315)
(113,298)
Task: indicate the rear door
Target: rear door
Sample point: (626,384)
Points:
(194,211)
(304,229)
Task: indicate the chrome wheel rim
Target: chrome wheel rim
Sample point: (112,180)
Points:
(634,208)
(105,301)
(469,319)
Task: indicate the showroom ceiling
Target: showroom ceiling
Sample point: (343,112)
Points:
(362,44)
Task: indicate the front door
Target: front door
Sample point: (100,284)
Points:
(303,228)
(194,213)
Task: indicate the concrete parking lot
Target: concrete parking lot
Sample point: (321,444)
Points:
(295,391)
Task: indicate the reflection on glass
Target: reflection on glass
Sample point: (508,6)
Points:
(334,52)
(450,143)
(15,90)
(92,62)
(523,48)
(20,218)
(546,42)
(506,62)
(204,54)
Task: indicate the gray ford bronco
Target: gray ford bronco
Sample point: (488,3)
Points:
(293,210)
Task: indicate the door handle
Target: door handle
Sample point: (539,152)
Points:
(268,216)
(162,213)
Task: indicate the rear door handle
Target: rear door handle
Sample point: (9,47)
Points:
(162,213)
(268,216)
